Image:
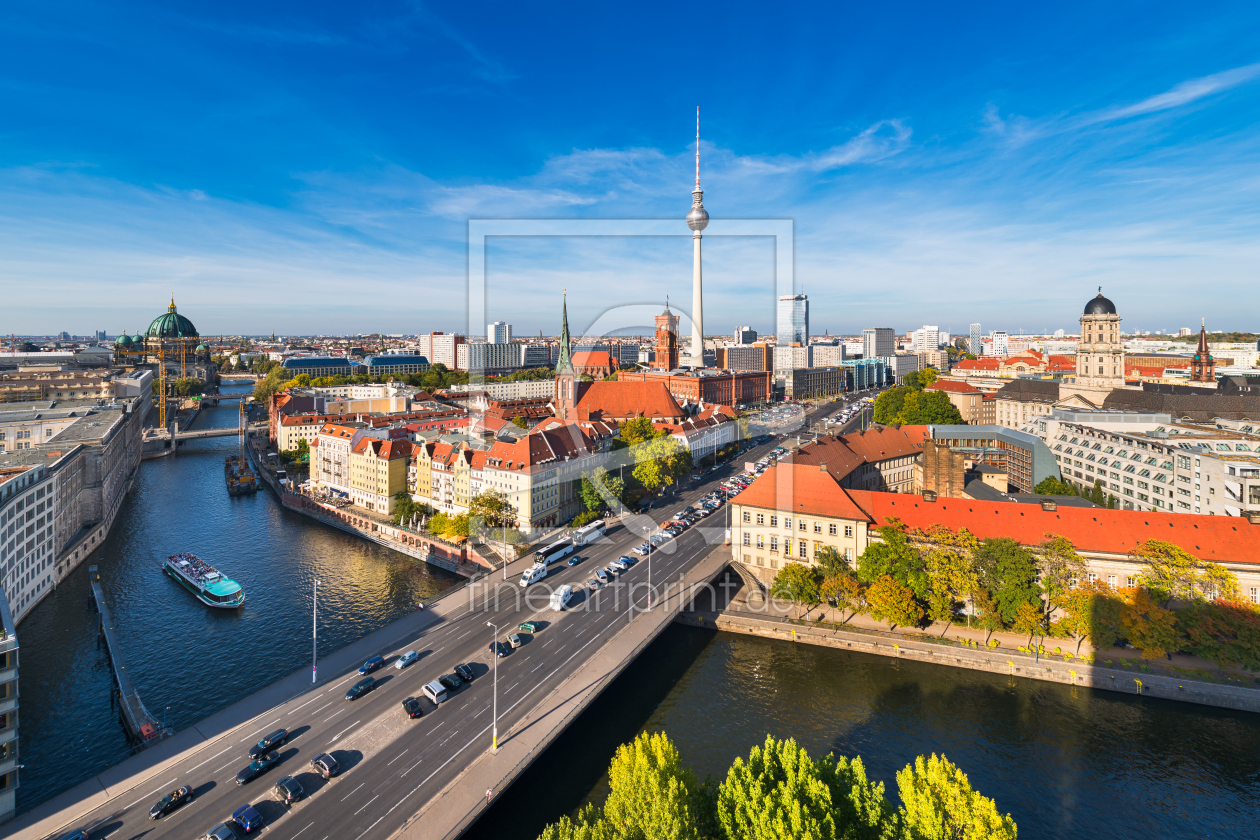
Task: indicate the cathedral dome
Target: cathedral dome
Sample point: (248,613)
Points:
(172,325)
(1100,306)
(123,340)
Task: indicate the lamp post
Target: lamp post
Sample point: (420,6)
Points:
(494,743)
(314,630)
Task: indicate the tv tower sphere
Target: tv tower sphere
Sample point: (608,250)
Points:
(698,218)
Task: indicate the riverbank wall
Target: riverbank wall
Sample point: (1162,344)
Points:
(1003,662)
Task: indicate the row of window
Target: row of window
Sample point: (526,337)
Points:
(802,525)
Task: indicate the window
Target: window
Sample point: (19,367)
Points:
(1130,581)
(848,530)
(803,548)
(761,543)
(747,516)
(848,554)
(747,538)
(1092,577)
(801,525)
(817,527)
(761,519)
(774,543)
(1111,581)
(774,521)
(1255,595)
(787,522)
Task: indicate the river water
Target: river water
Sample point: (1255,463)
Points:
(182,655)
(1063,762)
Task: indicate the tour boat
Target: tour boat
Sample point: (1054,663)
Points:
(210,586)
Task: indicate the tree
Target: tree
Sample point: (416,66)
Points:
(1006,569)
(913,380)
(845,592)
(492,508)
(1091,611)
(830,561)
(1096,494)
(888,404)
(405,508)
(894,556)
(302,380)
(1172,572)
(929,407)
(1226,633)
(589,825)
(797,583)
(1148,626)
(638,430)
(988,616)
(520,422)
(951,572)
(188,386)
(1029,619)
(938,803)
(893,603)
(927,376)
(780,792)
(1052,486)
(659,462)
(652,794)
(1059,564)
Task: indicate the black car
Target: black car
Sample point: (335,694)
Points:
(80,834)
(413,707)
(223,831)
(171,801)
(266,745)
(259,765)
(325,765)
(450,682)
(465,673)
(288,790)
(373,664)
(360,688)
(499,649)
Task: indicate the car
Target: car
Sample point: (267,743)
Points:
(498,649)
(413,707)
(360,688)
(266,745)
(603,576)
(642,549)
(574,560)
(406,659)
(373,664)
(612,570)
(703,512)
(682,514)
(325,765)
(450,682)
(628,561)
(619,565)
(222,831)
(247,818)
(465,672)
(527,627)
(174,799)
(514,640)
(257,767)
(289,790)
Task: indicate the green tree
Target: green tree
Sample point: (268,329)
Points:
(797,583)
(895,556)
(188,386)
(951,572)
(589,825)
(914,380)
(938,803)
(659,462)
(922,407)
(845,592)
(302,380)
(638,430)
(1097,495)
(1091,611)
(1226,633)
(492,509)
(1007,570)
(780,792)
(1052,486)
(927,376)
(830,561)
(1029,619)
(652,794)
(988,616)
(891,602)
(1172,572)
(1058,564)
(888,404)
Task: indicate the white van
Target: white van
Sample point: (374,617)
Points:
(435,691)
(532,574)
(561,597)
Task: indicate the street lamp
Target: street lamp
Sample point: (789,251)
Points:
(314,630)
(494,743)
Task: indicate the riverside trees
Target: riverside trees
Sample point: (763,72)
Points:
(780,791)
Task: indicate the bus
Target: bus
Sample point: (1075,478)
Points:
(552,553)
(589,532)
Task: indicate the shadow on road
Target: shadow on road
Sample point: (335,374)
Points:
(348,759)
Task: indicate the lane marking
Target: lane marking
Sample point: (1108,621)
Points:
(344,731)
(211,758)
(224,767)
(353,792)
(325,706)
(303,829)
(395,758)
(412,767)
(334,714)
(369,802)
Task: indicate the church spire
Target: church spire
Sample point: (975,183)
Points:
(565,363)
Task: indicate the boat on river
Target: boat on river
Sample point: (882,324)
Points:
(239,475)
(207,584)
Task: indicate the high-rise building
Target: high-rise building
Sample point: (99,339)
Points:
(878,342)
(975,344)
(826,355)
(999,344)
(927,338)
(500,332)
(793,320)
(745,335)
(440,348)
(697,220)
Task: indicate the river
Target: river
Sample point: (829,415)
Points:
(1064,762)
(186,660)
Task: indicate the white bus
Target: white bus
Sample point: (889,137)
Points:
(589,532)
(561,597)
(552,553)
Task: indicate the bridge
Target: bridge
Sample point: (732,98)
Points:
(143,729)
(426,777)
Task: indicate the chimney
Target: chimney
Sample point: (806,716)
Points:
(1253,517)
(823,466)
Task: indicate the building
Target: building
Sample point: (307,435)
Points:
(440,349)
(810,383)
(793,320)
(976,407)
(898,365)
(926,338)
(500,332)
(878,342)
(999,344)
(330,456)
(665,341)
(709,386)
(865,373)
(759,356)
(378,472)
(879,458)
(9,775)
(792,357)
(745,335)
(539,355)
(528,389)
(704,434)
(1150,462)
(380,368)
(487,358)
(975,344)
(1024,364)
(826,355)
(1203,368)
(1025,457)
(317,366)
(27,545)
(1100,354)
(595,363)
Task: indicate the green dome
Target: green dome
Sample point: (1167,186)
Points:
(123,340)
(201,348)
(172,325)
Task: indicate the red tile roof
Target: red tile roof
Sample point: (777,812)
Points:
(1222,539)
(800,489)
(626,400)
(984,363)
(953,385)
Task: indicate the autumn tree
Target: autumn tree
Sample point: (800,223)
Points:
(638,430)
(1092,611)
(1226,633)
(846,593)
(830,561)
(1172,572)
(988,616)
(1058,563)
(797,583)
(951,571)
(659,462)
(891,602)
(938,803)
(1148,626)
(1028,619)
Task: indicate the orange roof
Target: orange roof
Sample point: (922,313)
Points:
(1221,539)
(616,400)
(984,363)
(594,358)
(953,385)
(800,488)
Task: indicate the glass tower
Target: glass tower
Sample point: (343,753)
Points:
(793,326)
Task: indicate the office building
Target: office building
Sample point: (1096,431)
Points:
(746,357)
(500,332)
(440,348)
(927,338)
(878,341)
(865,373)
(826,355)
(793,320)
(488,358)
(745,335)
(809,383)
(999,344)
(975,342)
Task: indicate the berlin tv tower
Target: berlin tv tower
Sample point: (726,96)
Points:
(697,220)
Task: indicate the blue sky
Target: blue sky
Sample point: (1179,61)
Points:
(312,167)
